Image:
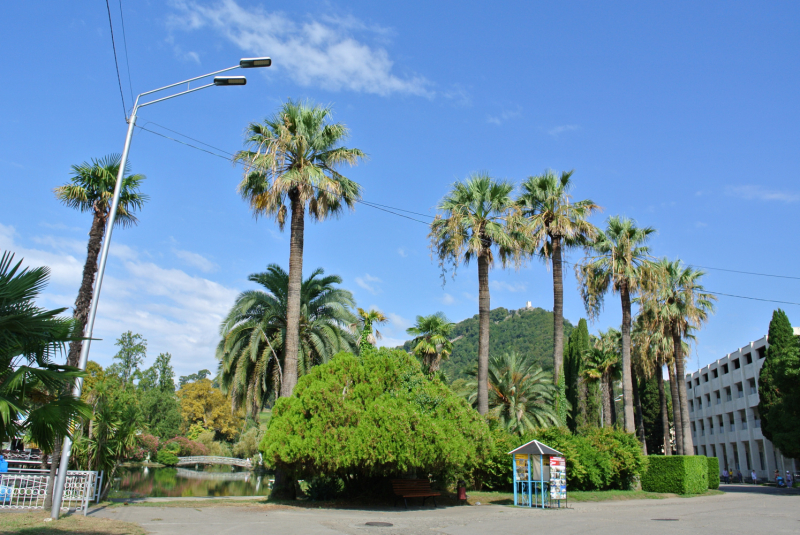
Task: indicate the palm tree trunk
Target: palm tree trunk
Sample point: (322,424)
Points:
(662,399)
(607,401)
(627,382)
(676,409)
(483,334)
(688,445)
(55,459)
(612,410)
(637,399)
(558,311)
(292,343)
(84,300)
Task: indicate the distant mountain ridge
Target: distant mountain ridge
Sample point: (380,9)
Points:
(529,331)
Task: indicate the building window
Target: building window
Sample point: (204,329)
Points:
(731,421)
(708,399)
(711,426)
(762,352)
(719,398)
(736,364)
(704,451)
(724,369)
(728,393)
(697,381)
(699,403)
(694,427)
(695,450)
(721,425)
(761,458)
(739,390)
(748,358)
(752,384)
(691,406)
(756,419)
(689,385)
(713,450)
(705,377)
(743,417)
(714,373)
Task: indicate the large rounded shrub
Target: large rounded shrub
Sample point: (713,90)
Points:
(376,415)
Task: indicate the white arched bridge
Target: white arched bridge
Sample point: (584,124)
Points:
(208,459)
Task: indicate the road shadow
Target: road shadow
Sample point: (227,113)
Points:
(741,488)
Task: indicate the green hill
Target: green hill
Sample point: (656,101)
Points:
(528,331)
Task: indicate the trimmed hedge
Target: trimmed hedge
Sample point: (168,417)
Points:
(713,472)
(678,474)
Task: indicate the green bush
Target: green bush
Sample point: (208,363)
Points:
(167,458)
(713,472)
(679,474)
(375,416)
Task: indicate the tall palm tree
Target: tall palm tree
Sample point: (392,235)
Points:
(479,216)
(363,326)
(91,189)
(252,349)
(556,224)
(431,343)
(521,394)
(650,349)
(685,306)
(618,261)
(291,163)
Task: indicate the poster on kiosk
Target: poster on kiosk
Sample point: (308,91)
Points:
(558,478)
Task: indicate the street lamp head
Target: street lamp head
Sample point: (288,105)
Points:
(230,80)
(250,63)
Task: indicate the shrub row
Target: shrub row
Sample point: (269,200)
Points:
(678,474)
(713,472)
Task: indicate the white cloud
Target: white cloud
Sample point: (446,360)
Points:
(196,260)
(398,322)
(700,224)
(368,282)
(504,116)
(319,51)
(387,341)
(558,130)
(504,286)
(402,252)
(447,299)
(752,192)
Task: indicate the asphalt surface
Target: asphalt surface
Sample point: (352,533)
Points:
(742,509)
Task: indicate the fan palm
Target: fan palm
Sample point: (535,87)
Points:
(291,164)
(363,326)
(431,343)
(556,225)
(479,216)
(252,352)
(91,189)
(521,394)
(602,365)
(618,261)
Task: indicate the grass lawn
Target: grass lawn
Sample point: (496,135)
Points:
(34,524)
(507,498)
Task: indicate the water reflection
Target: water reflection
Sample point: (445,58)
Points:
(140,482)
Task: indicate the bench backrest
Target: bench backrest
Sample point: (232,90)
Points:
(410,484)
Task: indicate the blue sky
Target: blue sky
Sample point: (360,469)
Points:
(681,116)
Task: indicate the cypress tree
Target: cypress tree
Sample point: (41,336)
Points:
(577,348)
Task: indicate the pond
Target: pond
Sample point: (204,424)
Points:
(147,481)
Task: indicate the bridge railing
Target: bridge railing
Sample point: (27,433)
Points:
(210,459)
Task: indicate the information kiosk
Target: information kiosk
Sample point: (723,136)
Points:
(540,476)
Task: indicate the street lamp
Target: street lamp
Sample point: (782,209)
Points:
(245,63)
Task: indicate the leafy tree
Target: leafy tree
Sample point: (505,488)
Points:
(362,327)
(431,343)
(292,165)
(159,406)
(205,405)
(252,349)
(371,417)
(654,416)
(578,349)
(779,394)
(91,189)
(191,378)
(131,355)
(521,394)
(618,261)
(603,366)
(479,217)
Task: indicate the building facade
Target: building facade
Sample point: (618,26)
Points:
(723,410)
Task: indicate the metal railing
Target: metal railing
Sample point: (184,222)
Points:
(207,459)
(28,489)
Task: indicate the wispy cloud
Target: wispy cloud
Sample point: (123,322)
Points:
(558,130)
(760,193)
(505,286)
(402,252)
(447,299)
(329,52)
(503,116)
(196,260)
(369,283)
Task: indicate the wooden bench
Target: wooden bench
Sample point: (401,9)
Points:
(413,488)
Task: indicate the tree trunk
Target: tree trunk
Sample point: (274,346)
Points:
(84,300)
(627,382)
(676,409)
(688,443)
(483,334)
(608,420)
(662,399)
(637,399)
(612,410)
(293,296)
(55,459)
(558,311)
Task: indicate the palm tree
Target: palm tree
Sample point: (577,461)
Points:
(91,189)
(362,327)
(684,306)
(431,343)
(618,261)
(291,164)
(479,216)
(602,364)
(521,394)
(252,349)
(556,225)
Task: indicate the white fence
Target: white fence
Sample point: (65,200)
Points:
(206,459)
(27,490)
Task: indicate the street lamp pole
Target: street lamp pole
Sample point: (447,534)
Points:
(245,63)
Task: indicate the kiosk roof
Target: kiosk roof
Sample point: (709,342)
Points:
(534,447)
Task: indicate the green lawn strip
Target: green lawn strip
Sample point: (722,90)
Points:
(507,498)
(34,524)
(711,492)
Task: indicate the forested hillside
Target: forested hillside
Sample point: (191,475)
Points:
(528,331)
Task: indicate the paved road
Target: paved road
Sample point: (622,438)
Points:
(741,510)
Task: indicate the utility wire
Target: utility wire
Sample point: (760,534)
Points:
(391,210)
(125,42)
(116,63)
(746,272)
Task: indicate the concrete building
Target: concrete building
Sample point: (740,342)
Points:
(723,409)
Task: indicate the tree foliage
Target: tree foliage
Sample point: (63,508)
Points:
(203,404)
(577,351)
(431,343)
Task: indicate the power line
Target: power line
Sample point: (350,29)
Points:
(746,272)
(116,63)
(125,42)
(754,298)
